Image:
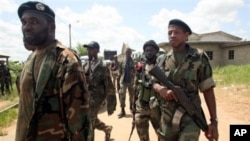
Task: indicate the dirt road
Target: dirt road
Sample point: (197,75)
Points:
(232,108)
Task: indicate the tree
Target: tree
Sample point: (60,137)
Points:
(80,49)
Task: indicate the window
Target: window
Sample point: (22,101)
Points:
(210,54)
(231,54)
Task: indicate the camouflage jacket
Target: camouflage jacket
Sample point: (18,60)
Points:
(143,82)
(56,105)
(100,85)
(194,73)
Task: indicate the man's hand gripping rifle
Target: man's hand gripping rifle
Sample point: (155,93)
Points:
(187,105)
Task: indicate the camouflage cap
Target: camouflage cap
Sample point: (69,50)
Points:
(37,7)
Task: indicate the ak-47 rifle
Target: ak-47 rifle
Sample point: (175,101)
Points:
(135,96)
(196,114)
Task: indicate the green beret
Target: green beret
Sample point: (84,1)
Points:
(37,7)
(92,44)
(181,24)
(151,43)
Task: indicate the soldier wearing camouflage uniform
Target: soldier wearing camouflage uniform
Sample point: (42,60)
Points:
(127,74)
(188,68)
(54,101)
(100,87)
(147,107)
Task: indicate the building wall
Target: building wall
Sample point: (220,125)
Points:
(216,60)
(241,55)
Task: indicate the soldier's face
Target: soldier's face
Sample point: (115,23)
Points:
(35,28)
(150,52)
(177,36)
(92,52)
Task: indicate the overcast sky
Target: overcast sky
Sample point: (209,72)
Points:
(112,22)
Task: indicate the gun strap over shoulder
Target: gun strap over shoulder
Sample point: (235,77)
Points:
(162,60)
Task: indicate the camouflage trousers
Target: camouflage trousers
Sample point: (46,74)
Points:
(188,130)
(122,94)
(97,124)
(144,115)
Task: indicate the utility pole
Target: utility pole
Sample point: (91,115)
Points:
(69,35)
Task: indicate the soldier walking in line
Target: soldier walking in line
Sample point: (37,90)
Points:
(189,70)
(100,87)
(53,98)
(147,105)
(127,74)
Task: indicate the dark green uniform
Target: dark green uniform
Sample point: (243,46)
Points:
(190,70)
(147,106)
(101,88)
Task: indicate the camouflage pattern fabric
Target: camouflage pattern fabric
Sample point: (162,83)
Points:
(60,98)
(100,87)
(147,106)
(193,74)
(123,85)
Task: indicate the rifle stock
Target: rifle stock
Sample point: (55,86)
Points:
(197,115)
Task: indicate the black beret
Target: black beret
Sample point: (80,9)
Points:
(92,44)
(151,43)
(181,24)
(36,6)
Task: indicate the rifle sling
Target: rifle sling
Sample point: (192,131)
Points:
(179,112)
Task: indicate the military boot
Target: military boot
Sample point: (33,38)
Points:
(122,113)
(108,133)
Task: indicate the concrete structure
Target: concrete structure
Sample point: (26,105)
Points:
(222,48)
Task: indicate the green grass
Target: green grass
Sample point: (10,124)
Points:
(233,75)
(6,118)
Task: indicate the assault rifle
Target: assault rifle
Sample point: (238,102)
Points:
(196,114)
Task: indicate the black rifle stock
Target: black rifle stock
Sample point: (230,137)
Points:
(197,115)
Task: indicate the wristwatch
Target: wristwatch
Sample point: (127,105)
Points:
(214,120)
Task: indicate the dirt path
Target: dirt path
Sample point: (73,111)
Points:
(232,108)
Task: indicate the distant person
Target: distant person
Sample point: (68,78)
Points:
(189,69)
(147,107)
(115,72)
(54,99)
(100,87)
(127,74)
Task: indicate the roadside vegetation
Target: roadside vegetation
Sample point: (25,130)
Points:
(232,75)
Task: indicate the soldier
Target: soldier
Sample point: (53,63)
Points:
(114,72)
(189,69)
(54,99)
(100,87)
(127,74)
(147,107)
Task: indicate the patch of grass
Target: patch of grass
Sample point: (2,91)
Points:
(6,118)
(233,75)
(12,96)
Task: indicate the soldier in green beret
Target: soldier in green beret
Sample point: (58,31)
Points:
(189,69)
(54,99)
